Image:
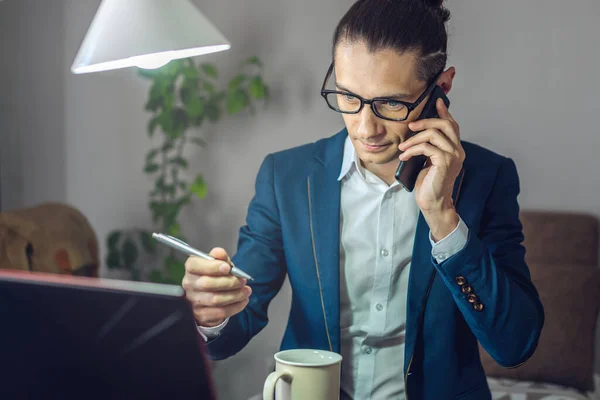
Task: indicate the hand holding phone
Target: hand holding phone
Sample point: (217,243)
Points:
(408,171)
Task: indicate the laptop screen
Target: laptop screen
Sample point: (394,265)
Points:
(96,338)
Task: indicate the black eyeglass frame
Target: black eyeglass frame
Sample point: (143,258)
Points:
(410,106)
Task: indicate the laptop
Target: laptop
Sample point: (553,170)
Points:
(87,338)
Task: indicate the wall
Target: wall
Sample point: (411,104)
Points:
(525,87)
(32,147)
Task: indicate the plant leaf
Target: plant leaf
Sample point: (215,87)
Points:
(237,81)
(180,123)
(182,162)
(213,112)
(237,100)
(158,210)
(159,184)
(170,213)
(166,122)
(130,253)
(152,125)
(208,87)
(175,269)
(113,240)
(199,187)
(156,277)
(155,97)
(151,154)
(195,107)
(168,146)
(219,97)
(190,73)
(146,73)
(254,61)
(151,168)
(257,88)
(148,243)
(169,189)
(198,141)
(174,230)
(210,70)
(113,260)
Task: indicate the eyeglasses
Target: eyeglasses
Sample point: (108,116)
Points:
(384,107)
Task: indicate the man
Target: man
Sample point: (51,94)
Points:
(403,284)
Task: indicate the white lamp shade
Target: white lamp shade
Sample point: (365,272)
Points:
(147,34)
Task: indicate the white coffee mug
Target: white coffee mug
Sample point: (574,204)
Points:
(304,374)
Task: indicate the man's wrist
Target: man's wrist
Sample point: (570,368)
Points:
(211,332)
(441,222)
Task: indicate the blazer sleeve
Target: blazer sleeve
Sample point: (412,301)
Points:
(490,281)
(260,253)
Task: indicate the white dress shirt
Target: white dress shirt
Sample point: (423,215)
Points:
(378,224)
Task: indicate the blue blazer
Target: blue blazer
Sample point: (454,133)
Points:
(293,228)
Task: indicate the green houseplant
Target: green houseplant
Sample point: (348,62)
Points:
(183,97)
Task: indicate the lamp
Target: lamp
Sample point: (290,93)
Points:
(147,34)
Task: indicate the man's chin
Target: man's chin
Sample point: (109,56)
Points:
(380,159)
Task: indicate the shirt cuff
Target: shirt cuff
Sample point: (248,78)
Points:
(451,244)
(213,331)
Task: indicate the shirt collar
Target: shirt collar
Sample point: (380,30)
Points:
(350,160)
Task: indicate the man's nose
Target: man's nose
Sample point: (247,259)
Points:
(368,122)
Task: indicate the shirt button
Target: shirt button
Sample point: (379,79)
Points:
(441,256)
(379,307)
(368,350)
(384,253)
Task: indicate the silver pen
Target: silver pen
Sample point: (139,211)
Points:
(189,250)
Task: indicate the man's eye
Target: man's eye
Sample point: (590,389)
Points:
(394,105)
(349,97)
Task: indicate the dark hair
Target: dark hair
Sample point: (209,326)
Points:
(402,25)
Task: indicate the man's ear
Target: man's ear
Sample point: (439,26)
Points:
(446,79)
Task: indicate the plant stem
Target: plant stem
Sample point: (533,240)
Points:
(179,154)
(163,175)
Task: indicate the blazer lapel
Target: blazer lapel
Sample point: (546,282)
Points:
(422,273)
(323,191)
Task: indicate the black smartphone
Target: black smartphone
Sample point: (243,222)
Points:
(408,171)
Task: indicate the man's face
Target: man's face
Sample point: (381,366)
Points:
(383,73)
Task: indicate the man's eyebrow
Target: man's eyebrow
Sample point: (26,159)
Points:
(398,96)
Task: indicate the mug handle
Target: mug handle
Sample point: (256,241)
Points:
(269,388)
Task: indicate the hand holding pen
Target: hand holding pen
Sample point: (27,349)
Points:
(211,284)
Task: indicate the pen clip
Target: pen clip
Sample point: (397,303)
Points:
(176,240)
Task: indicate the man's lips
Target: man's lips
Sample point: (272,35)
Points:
(375,147)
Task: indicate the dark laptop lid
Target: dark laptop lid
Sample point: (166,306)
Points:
(63,336)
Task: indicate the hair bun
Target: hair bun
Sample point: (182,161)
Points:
(438,7)
(433,3)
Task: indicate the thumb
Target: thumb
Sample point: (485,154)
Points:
(220,254)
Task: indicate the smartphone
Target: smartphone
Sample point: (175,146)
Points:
(408,171)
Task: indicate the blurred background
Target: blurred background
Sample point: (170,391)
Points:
(526,87)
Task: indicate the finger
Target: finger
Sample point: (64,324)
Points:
(199,266)
(447,127)
(444,114)
(426,149)
(433,136)
(211,316)
(219,299)
(443,111)
(220,254)
(208,283)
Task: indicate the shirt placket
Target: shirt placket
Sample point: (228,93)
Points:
(378,309)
